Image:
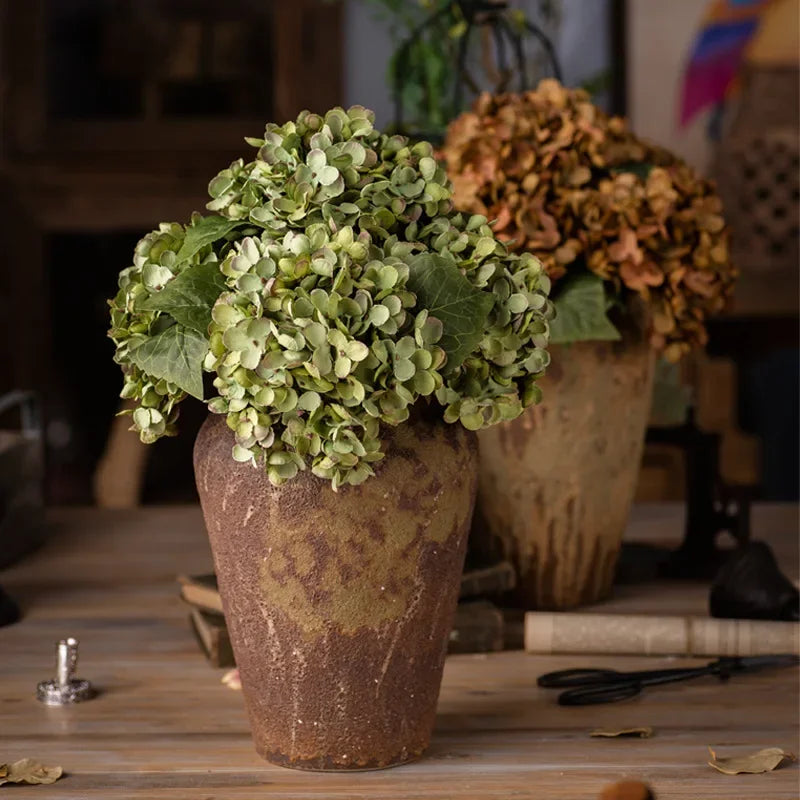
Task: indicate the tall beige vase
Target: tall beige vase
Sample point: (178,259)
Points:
(556,484)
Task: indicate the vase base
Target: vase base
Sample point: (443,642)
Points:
(327,764)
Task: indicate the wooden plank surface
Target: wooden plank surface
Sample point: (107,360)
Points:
(165,727)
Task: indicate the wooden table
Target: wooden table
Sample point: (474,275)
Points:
(165,727)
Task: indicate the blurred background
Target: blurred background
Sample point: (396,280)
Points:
(114,114)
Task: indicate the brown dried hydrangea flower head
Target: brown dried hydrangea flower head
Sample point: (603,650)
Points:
(575,187)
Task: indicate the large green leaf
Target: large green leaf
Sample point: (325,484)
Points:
(176,355)
(206,230)
(454,301)
(581,311)
(639,168)
(189,297)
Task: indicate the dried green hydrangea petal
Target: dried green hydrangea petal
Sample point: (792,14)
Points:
(318,341)
(155,264)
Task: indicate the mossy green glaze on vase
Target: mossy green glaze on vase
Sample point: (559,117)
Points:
(557,483)
(340,604)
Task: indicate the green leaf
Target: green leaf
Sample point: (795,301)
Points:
(454,301)
(671,398)
(176,355)
(640,169)
(206,230)
(190,296)
(581,311)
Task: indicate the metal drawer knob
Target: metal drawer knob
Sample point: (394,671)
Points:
(65,688)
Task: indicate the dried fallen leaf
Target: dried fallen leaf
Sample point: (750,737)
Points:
(26,770)
(763,761)
(231,679)
(627,790)
(643,732)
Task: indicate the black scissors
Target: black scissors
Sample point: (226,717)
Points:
(586,687)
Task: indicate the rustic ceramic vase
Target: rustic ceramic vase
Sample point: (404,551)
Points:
(557,483)
(339,605)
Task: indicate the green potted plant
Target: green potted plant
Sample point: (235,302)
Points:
(357,330)
(637,247)
(442,55)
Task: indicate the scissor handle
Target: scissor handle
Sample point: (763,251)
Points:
(563,678)
(599,693)
(593,686)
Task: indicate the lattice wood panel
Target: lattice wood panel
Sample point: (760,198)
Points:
(757,167)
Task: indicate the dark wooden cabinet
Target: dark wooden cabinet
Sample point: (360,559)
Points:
(114,115)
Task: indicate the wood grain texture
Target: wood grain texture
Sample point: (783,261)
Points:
(165,727)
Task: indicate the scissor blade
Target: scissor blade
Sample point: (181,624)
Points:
(763,662)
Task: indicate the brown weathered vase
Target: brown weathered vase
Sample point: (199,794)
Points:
(339,605)
(557,483)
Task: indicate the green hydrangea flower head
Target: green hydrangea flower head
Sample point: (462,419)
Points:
(332,288)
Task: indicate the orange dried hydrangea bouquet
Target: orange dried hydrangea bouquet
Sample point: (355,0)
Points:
(574,186)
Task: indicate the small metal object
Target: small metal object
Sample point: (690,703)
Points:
(65,688)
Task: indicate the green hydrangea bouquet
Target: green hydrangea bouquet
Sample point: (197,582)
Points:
(331,288)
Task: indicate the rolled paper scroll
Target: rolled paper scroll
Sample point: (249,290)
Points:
(629,634)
